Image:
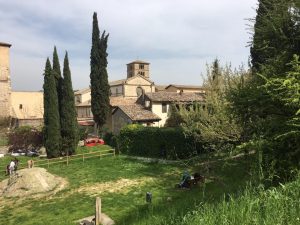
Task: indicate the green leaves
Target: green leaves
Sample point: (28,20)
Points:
(100,89)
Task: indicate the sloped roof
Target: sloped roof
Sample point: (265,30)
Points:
(117,82)
(160,87)
(120,100)
(175,97)
(82,91)
(5,44)
(138,113)
(138,61)
(114,101)
(185,86)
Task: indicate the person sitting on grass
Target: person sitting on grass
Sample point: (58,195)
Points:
(185,180)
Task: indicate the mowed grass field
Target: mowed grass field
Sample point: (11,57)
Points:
(122,183)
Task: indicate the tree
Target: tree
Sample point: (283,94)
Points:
(174,117)
(68,117)
(210,122)
(99,79)
(52,135)
(275,38)
(259,102)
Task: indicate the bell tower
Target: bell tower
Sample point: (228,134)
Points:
(5,83)
(138,67)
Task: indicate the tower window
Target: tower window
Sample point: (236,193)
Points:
(20,106)
(141,66)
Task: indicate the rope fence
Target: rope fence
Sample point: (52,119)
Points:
(66,159)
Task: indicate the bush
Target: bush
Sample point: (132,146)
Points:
(167,143)
(25,138)
(4,122)
(83,131)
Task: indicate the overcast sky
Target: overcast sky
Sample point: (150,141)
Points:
(177,37)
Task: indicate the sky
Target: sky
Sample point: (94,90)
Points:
(177,37)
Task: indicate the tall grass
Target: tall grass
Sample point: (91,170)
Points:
(279,205)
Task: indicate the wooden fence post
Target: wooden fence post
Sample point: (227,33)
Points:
(98,211)
(48,163)
(67,160)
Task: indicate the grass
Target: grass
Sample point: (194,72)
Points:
(3,139)
(224,199)
(279,205)
(23,159)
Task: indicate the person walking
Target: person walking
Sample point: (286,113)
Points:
(12,165)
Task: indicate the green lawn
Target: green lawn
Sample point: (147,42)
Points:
(122,183)
(3,140)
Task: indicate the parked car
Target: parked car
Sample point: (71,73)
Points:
(18,152)
(32,153)
(93,142)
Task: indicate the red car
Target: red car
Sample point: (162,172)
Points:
(93,142)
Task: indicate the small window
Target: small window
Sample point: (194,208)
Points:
(141,66)
(164,107)
(20,106)
(117,91)
(139,91)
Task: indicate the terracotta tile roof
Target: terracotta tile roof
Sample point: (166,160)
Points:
(185,86)
(175,97)
(138,113)
(138,61)
(160,87)
(82,91)
(120,100)
(114,101)
(117,82)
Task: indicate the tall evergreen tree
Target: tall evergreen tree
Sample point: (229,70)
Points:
(99,79)
(275,41)
(274,37)
(68,115)
(51,114)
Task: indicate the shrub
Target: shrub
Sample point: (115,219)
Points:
(167,143)
(4,122)
(25,138)
(83,131)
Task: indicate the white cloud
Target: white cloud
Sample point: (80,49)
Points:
(177,37)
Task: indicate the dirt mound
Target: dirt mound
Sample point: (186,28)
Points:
(31,182)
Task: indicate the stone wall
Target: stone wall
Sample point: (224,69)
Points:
(5,85)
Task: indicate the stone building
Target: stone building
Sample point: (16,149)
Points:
(135,99)
(24,108)
(5,85)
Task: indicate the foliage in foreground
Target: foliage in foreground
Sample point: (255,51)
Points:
(279,205)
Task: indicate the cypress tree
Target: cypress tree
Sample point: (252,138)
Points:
(68,112)
(51,113)
(274,39)
(98,76)
(58,77)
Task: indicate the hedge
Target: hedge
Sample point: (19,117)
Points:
(25,138)
(169,143)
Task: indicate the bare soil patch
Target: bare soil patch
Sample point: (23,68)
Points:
(34,182)
(121,185)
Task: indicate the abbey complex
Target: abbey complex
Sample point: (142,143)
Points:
(135,99)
